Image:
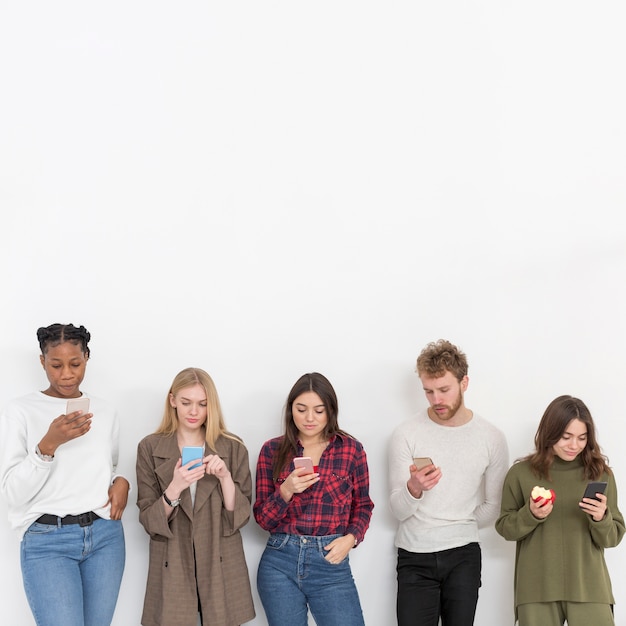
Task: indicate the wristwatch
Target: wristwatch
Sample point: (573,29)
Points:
(172,503)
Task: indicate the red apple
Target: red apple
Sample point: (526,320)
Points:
(541,493)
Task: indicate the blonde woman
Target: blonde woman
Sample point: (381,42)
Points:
(194,511)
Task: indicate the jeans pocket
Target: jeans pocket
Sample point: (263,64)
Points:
(323,553)
(40,529)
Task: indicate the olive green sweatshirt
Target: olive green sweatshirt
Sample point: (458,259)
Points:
(562,556)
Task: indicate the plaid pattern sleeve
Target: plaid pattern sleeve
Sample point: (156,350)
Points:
(269,507)
(338,504)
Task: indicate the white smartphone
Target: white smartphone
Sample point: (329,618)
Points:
(304,461)
(422,461)
(193,453)
(77,404)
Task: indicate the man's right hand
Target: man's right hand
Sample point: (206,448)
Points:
(422,480)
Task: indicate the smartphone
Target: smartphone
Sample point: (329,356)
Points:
(304,461)
(77,404)
(422,461)
(593,488)
(191,453)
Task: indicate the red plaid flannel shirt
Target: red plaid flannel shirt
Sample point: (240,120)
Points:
(338,503)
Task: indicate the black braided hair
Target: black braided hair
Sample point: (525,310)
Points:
(55,334)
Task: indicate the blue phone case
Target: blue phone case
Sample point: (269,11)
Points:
(192,452)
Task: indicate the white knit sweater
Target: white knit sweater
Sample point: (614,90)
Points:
(473,459)
(75,481)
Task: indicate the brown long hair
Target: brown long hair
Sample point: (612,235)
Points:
(288,447)
(559,413)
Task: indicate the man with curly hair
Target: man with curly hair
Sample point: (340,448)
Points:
(441,502)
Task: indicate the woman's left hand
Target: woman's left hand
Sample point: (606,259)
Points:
(216,466)
(338,549)
(595,508)
(118,497)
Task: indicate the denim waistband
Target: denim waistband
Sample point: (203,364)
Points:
(305,540)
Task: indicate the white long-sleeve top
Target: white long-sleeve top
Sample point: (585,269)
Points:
(473,459)
(76,481)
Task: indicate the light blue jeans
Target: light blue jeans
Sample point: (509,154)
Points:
(293,577)
(72,574)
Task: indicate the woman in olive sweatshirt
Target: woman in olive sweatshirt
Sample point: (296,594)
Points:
(560,572)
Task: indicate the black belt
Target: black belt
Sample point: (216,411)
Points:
(84,519)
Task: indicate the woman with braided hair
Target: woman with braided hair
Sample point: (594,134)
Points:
(57,473)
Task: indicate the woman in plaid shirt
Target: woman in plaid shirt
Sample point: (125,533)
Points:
(314,519)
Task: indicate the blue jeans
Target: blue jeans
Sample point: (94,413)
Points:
(294,577)
(72,574)
(437,584)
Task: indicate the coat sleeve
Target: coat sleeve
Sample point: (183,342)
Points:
(232,521)
(151,510)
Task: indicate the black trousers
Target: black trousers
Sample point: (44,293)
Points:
(438,584)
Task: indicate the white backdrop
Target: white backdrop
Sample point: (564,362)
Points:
(263,189)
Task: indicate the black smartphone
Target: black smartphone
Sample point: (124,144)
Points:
(593,488)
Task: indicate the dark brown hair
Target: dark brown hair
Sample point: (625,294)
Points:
(289,445)
(559,413)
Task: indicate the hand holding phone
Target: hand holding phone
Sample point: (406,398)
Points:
(65,428)
(596,508)
(304,461)
(420,480)
(193,453)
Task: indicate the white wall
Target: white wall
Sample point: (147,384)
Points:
(267,188)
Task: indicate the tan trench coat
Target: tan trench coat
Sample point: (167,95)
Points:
(209,532)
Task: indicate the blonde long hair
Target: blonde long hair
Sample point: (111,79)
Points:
(214,425)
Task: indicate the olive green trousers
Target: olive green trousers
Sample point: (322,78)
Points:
(570,613)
